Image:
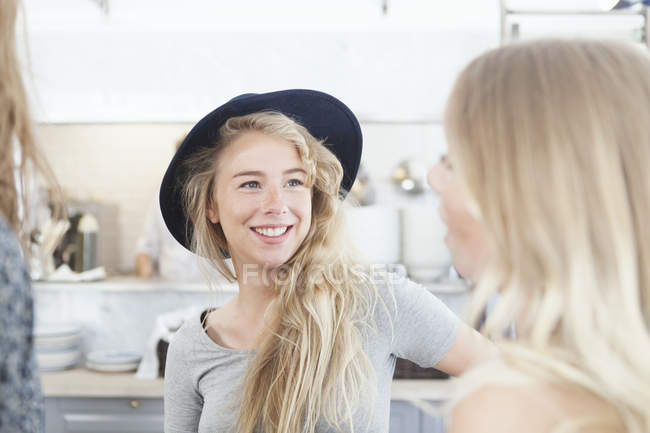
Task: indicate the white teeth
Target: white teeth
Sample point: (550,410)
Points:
(271,232)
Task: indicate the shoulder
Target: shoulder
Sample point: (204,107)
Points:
(11,258)
(500,408)
(188,333)
(14,279)
(395,287)
(535,408)
(402,299)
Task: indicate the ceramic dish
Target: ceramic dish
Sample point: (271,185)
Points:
(58,342)
(115,357)
(58,360)
(112,367)
(49,330)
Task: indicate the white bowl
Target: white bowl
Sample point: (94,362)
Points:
(62,342)
(57,360)
(113,357)
(49,330)
(112,367)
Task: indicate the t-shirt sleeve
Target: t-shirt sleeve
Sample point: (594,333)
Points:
(423,327)
(182,402)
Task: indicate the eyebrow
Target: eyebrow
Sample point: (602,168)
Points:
(259,173)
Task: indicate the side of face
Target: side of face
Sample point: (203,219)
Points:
(466,237)
(261,200)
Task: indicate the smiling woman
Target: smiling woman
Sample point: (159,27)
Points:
(265,214)
(310,332)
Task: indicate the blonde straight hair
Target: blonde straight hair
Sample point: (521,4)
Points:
(551,141)
(16,134)
(313,365)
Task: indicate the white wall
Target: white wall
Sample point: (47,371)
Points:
(120,166)
(157,61)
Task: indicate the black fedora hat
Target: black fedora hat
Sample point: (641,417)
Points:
(324,116)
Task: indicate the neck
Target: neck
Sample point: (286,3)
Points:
(255,290)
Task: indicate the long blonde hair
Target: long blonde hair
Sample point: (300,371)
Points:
(313,365)
(551,141)
(16,129)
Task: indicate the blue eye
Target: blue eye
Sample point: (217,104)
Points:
(295,182)
(250,184)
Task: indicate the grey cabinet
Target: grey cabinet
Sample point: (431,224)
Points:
(145,415)
(105,415)
(407,418)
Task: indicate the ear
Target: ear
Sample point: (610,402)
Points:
(213,212)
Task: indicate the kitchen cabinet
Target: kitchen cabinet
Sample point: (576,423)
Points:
(105,415)
(145,415)
(407,418)
(81,400)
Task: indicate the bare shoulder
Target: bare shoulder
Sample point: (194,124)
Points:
(498,408)
(534,408)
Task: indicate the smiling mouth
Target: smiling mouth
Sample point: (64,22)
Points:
(271,232)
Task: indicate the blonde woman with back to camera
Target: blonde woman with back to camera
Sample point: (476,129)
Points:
(549,147)
(309,343)
(21,399)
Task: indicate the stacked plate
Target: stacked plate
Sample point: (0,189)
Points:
(57,345)
(113,361)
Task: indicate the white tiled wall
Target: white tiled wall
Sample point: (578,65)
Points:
(121,166)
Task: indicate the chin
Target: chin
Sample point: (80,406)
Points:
(274,262)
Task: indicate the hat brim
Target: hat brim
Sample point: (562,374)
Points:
(325,117)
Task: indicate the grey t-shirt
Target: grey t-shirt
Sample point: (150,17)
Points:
(203,380)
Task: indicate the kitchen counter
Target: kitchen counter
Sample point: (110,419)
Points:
(131,284)
(134,284)
(80,382)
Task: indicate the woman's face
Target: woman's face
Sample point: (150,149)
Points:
(261,200)
(465,235)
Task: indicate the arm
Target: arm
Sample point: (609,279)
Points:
(469,349)
(429,334)
(182,402)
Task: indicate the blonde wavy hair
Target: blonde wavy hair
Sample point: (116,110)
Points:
(313,365)
(17,134)
(550,140)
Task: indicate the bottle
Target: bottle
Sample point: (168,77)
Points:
(86,243)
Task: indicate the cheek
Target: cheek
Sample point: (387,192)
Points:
(236,210)
(456,213)
(301,207)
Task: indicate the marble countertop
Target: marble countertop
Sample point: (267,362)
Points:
(135,284)
(80,382)
(132,283)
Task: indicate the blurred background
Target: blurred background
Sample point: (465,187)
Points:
(116,84)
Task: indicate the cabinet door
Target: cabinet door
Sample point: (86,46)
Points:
(105,415)
(404,417)
(432,424)
(407,418)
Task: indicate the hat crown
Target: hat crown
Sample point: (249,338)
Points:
(324,116)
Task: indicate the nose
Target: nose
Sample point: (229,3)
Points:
(274,203)
(436,177)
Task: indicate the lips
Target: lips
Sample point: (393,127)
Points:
(272,234)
